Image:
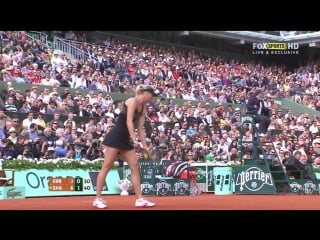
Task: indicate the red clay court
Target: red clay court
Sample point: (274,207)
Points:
(204,201)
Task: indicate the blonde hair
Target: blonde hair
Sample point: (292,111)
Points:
(142,88)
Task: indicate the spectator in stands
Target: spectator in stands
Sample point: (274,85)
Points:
(81,111)
(10,106)
(60,145)
(211,72)
(40,121)
(13,137)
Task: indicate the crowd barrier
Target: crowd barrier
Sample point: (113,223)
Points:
(211,178)
(42,182)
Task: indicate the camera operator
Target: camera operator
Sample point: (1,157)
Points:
(49,153)
(234,155)
(94,151)
(8,150)
(27,152)
(82,144)
(216,152)
(19,146)
(34,147)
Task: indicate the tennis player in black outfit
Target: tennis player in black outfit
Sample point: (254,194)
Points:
(120,140)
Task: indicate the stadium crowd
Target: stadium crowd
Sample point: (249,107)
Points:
(194,130)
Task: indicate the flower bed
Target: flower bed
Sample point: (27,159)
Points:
(54,164)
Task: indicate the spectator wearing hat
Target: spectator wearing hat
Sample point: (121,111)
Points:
(256,107)
(13,135)
(175,132)
(235,116)
(19,146)
(220,110)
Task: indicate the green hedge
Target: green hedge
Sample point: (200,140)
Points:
(72,164)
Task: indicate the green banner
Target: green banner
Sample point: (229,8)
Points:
(164,186)
(210,178)
(201,175)
(254,180)
(147,180)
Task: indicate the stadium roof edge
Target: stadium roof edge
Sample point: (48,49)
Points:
(250,36)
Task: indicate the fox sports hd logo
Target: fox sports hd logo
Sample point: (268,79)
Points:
(275,48)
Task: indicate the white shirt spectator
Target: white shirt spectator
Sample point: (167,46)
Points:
(314,128)
(27,122)
(162,117)
(81,83)
(53,81)
(55,60)
(109,114)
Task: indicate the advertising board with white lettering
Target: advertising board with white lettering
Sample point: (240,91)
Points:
(254,180)
(58,182)
(304,186)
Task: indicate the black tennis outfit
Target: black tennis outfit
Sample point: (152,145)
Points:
(119,136)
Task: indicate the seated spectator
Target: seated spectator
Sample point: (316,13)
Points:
(256,107)
(10,106)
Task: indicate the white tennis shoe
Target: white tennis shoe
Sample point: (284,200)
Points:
(100,203)
(143,203)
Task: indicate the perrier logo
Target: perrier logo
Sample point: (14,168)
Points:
(253,179)
(201,174)
(146,187)
(163,187)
